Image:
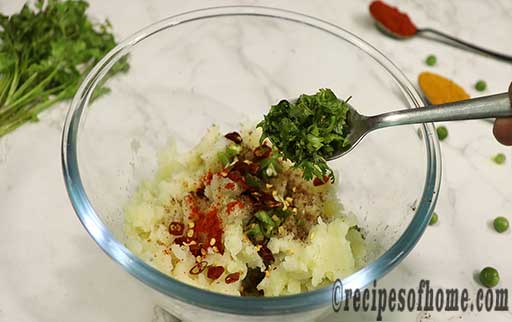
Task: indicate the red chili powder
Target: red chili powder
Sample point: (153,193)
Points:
(207,179)
(208,226)
(391,18)
(230,186)
(232,204)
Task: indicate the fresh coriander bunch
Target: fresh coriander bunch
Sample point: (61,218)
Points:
(45,50)
(308,131)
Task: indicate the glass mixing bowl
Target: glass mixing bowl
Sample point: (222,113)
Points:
(226,66)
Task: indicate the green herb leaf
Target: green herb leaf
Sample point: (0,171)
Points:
(270,166)
(45,51)
(309,131)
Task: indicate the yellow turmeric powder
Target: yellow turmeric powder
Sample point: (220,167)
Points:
(440,90)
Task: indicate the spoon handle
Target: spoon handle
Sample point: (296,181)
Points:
(468,45)
(499,105)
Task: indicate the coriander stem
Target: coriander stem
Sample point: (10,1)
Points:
(4,86)
(24,86)
(14,82)
(44,82)
(27,97)
(28,115)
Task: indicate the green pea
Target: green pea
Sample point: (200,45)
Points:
(499,158)
(442,132)
(501,224)
(433,219)
(489,277)
(431,60)
(480,86)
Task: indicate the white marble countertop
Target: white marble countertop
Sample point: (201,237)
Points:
(51,270)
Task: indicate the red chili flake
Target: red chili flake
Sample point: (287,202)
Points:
(195,249)
(214,272)
(269,201)
(182,240)
(230,186)
(233,277)
(257,200)
(198,268)
(176,228)
(234,136)
(254,168)
(318,182)
(232,204)
(263,151)
(266,197)
(236,176)
(241,167)
(266,255)
(272,203)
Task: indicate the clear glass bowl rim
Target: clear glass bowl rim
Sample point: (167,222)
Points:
(215,301)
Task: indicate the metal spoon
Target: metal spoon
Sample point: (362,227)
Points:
(499,105)
(451,41)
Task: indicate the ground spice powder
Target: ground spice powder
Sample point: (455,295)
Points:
(440,90)
(392,19)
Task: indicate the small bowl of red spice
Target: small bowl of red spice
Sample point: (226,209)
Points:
(225,66)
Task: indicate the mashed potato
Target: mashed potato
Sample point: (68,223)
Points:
(230,216)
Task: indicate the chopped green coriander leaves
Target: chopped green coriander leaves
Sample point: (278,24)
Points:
(308,131)
(45,50)
(442,132)
(480,86)
(431,60)
(499,158)
(501,224)
(433,219)
(489,277)
(270,166)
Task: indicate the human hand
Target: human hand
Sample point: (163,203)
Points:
(503,130)
(503,127)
